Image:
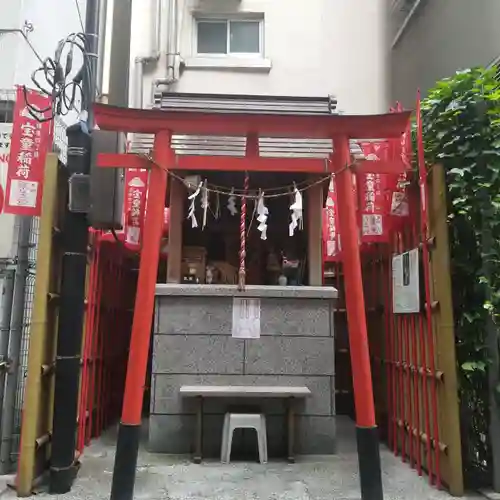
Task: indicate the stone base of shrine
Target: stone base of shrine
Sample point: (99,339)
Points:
(194,344)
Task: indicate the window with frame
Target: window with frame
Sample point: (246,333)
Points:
(6,111)
(229,37)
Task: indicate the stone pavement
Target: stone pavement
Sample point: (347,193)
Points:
(162,477)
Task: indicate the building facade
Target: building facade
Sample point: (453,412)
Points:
(431,40)
(37,22)
(261,47)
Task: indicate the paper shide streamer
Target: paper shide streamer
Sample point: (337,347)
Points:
(296,209)
(262,215)
(231,203)
(192,206)
(204,203)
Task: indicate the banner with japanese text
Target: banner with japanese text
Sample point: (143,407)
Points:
(331,236)
(374,196)
(30,143)
(401,149)
(134,205)
(166,226)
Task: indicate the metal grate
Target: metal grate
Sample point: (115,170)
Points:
(23,353)
(60,143)
(270,147)
(248,104)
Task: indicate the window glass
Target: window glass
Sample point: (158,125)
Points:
(6,111)
(244,37)
(212,37)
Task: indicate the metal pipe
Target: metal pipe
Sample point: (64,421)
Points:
(138,83)
(103,17)
(171,50)
(7,297)
(172,41)
(179,20)
(153,56)
(174,49)
(16,334)
(92,25)
(157,31)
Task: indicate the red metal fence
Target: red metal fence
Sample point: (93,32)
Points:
(413,354)
(110,303)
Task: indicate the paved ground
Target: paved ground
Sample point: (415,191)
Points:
(163,477)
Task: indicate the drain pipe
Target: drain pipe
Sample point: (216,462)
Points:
(171,46)
(103,16)
(153,57)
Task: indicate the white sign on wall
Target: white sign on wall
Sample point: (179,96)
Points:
(6,220)
(5,137)
(406,283)
(246,318)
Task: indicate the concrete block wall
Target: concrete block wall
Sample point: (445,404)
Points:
(193,345)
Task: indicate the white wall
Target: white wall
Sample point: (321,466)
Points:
(444,36)
(316,48)
(10,18)
(52,20)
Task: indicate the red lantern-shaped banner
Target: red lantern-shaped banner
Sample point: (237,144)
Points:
(331,236)
(30,142)
(166,221)
(136,186)
(166,226)
(400,207)
(374,197)
(400,149)
(406,151)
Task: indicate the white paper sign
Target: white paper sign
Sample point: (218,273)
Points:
(246,318)
(7,221)
(406,283)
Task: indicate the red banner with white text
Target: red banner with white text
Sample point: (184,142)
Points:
(31,140)
(331,236)
(374,196)
(134,205)
(401,149)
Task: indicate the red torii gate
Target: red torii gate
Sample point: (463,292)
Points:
(163,124)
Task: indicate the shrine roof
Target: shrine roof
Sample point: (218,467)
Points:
(150,121)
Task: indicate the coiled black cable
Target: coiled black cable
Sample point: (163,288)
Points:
(56,79)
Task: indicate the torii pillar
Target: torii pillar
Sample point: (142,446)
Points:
(370,475)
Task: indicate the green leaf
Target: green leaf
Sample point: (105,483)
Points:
(457,171)
(471,366)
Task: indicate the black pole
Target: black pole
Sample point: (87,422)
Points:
(63,466)
(70,324)
(370,474)
(127,446)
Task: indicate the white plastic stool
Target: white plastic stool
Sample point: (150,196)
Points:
(234,421)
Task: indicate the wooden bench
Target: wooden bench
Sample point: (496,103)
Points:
(200,392)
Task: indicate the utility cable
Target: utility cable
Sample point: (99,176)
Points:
(77,4)
(57,79)
(4,31)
